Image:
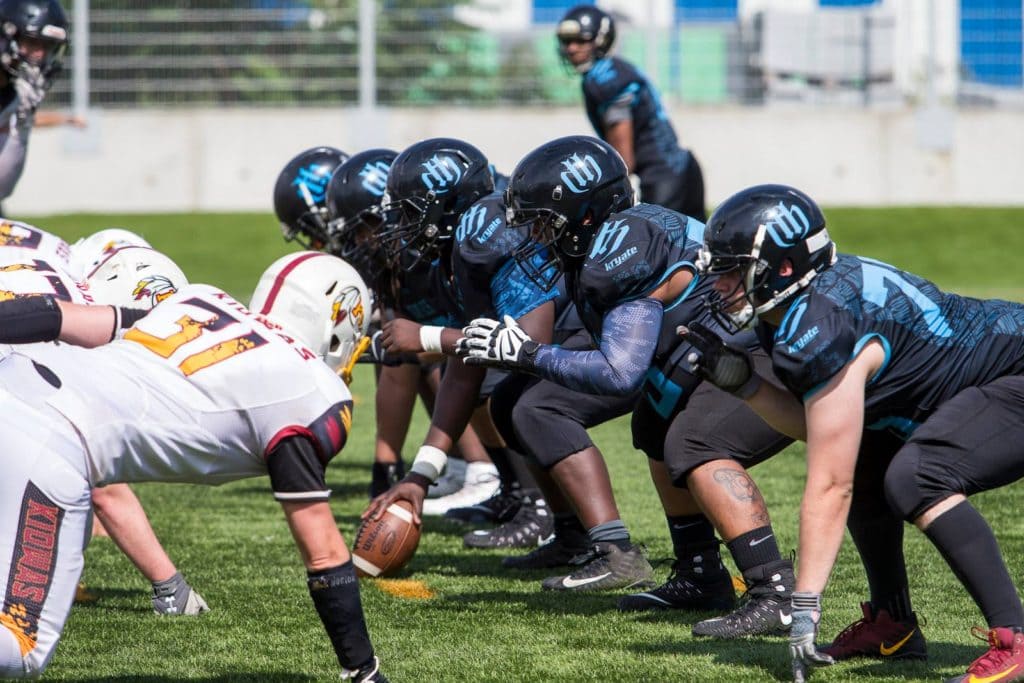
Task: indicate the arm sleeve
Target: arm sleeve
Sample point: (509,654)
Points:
(296,472)
(629,337)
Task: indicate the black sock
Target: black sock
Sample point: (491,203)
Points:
(569,529)
(694,543)
(878,534)
(335,594)
(614,531)
(754,548)
(965,540)
(502,459)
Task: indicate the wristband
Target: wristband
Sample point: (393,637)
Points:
(429,462)
(806,602)
(430,338)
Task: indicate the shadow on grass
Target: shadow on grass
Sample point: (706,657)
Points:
(235,677)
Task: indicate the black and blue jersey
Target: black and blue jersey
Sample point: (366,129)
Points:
(936,344)
(425,294)
(613,85)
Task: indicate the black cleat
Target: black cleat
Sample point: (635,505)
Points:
(558,551)
(685,589)
(605,566)
(498,509)
(384,475)
(367,673)
(765,610)
(532,524)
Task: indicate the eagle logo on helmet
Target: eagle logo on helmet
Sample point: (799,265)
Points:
(442,173)
(153,289)
(348,304)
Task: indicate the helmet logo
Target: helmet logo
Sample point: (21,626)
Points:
(153,289)
(789,226)
(580,173)
(609,239)
(441,174)
(314,179)
(375,177)
(348,304)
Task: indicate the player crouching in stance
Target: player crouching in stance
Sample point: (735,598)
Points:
(192,392)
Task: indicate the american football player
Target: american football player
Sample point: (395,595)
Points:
(631,272)
(208,411)
(88,252)
(626,111)
(35,262)
(300,195)
(907,396)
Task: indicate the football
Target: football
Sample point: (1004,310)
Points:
(383,547)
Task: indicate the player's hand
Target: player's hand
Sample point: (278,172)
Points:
(377,354)
(803,632)
(401,336)
(727,367)
(412,488)
(503,345)
(31,87)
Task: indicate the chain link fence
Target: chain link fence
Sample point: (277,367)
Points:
(307,52)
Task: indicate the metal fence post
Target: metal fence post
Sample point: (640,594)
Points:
(80,62)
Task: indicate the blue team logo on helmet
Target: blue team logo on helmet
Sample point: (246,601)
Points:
(375,177)
(313,180)
(580,173)
(441,173)
(789,226)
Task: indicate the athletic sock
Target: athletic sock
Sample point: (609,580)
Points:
(694,543)
(965,540)
(502,459)
(614,531)
(754,548)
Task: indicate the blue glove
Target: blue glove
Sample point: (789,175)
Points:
(802,634)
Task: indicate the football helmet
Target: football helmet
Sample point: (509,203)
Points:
(300,194)
(320,300)
(41,20)
(429,186)
(354,212)
(587,24)
(89,252)
(567,188)
(135,277)
(757,231)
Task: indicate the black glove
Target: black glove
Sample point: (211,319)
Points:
(727,367)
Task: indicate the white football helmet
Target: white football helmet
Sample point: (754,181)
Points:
(89,252)
(321,300)
(135,277)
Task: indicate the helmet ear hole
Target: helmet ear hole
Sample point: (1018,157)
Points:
(335,343)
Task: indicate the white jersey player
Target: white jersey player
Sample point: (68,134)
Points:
(24,243)
(200,390)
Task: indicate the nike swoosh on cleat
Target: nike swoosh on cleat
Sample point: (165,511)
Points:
(569,582)
(992,679)
(786,619)
(761,540)
(886,651)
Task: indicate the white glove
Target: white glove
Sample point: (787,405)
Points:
(803,632)
(502,345)
(31,88)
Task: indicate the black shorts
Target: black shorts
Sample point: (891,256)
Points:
(713,425)
(683,192)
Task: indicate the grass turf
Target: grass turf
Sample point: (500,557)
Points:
(484,624)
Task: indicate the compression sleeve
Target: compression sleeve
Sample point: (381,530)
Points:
(629,337)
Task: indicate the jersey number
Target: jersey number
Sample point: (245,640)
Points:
(878,278)
(41,267)
(192,329)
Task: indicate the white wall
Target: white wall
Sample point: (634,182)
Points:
(227,159)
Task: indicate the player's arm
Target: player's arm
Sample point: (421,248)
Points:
(835,421)
(30,319)
(620,136)
(297,477)
(402,335)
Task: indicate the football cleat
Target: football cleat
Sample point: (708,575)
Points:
(450,481)
(498,509)
(879,635)
(481,483)
(532,524)
(368,673)
(384,475)
(764,608)
(685,589)
(557,551)
(605,566)
(1003,662)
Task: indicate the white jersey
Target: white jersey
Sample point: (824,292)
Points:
(200,390)
(24,243)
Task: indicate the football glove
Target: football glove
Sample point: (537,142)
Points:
(727,367)
(377,354)
(803,632)
(498,345)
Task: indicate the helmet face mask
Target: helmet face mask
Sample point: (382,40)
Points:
(589,25)
(300,194)
(429,186)
(537,255)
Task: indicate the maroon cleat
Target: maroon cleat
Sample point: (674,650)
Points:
(878,635)
(1004,661)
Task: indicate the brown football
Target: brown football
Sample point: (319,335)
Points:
(383,547)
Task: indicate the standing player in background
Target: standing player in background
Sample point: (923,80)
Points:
(33,38)
(36,262)
(189,393)
(626,111)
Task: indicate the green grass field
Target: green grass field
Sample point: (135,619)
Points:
(483,624)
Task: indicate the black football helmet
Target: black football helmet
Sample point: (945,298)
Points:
(567,188)
(42,20)
(300,195)
(588,24)
(756,231)
(430,185)
(354,210)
